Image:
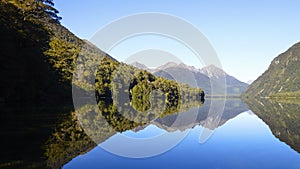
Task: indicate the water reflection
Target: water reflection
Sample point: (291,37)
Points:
(241,140)
(184,121)
(282,116)
(50,137)
(107,121)
(26,136)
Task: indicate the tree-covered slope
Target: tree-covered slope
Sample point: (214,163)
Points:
(39,58)
(40,61)
(282,79)
(37,53)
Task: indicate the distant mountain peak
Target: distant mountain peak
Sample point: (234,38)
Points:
(190,68)
(139,65)
(213,68)
(167,65)
(203,77)
(213,71)
(176,65)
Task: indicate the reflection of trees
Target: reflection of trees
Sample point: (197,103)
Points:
(69,134)
(104,120)
(77,133)
(283,118)
(124,103)
(126,99)
(67,141)
(26,129)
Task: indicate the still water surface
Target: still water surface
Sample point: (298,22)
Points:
(243,142)
(263,135)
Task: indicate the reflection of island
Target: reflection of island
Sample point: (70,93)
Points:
(45,137)
(49,138)
(283,118)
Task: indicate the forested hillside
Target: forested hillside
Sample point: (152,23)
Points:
(37,53)
(282,78)
(38,57)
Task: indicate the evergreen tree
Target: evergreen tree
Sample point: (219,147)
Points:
(42,10)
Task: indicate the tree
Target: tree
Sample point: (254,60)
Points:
(48,8)
(42,10)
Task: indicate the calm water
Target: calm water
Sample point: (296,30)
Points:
(243,142)
(267,136)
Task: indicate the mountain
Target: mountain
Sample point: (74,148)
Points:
(233,85)
(167,65)
(213,72)
(42,61)
(281,79)
(184,74)
(200,77)
(37,54)
(250,81)
(38,69)
(140,66)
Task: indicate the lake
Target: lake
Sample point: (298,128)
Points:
(259,134)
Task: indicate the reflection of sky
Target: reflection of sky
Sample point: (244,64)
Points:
(243,142)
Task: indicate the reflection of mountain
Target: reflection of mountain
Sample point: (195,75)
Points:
(51,137)
(48,138)
(283,118)
(201,116)
(198,77)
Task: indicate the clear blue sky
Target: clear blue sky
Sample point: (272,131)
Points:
(246,34)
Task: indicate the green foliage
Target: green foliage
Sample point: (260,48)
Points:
(126,84)
(66,142)
(62,56)
(37,10)
(294,95)
(61,50)
(140,96)
(39,63)
(282,76)
(39,59)
(27,75)
(104,77)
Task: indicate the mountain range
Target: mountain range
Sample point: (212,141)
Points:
(43,62)
(205,78)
